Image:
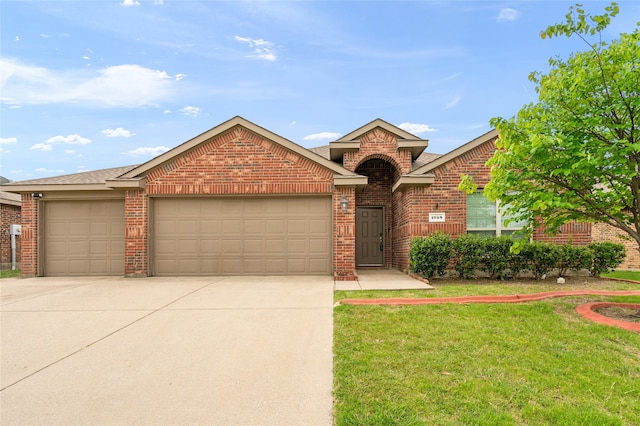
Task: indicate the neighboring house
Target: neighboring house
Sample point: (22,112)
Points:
(239,199)
(9,215)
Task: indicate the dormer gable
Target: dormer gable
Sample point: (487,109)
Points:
(377,130)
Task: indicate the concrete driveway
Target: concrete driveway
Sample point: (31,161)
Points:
(166,351)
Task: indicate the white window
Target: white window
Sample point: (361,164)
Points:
(485,219)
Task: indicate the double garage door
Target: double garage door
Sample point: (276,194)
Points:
(193,236)
(241,236)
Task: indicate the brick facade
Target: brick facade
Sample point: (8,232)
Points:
(9,215)
(602,232)
(29,237)
(245,160)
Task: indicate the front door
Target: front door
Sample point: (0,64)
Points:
(369,236)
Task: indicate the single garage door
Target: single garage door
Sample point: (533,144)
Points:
(83,238)
(242,236)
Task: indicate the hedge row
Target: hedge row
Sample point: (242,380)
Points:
(469,254)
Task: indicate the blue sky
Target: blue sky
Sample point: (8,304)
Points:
(89,85)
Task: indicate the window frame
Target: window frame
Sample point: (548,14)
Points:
(498,228)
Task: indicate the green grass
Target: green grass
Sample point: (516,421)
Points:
(9,273)
(468,288)
(626,275)
(484,364)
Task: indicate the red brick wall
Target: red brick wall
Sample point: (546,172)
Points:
(602,232)
(29,237)
(378,143)
(9,215)
(578,233)
(239,162)
(344,234)
(136,217)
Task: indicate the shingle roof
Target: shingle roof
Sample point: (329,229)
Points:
(93,177)
(9,198)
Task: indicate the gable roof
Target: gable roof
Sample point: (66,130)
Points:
(430,166)
(378,122)
(236,121)
(351,141)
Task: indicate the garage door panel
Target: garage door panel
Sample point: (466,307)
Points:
(83,237)
(231,226)
(244,235)
(231,247)
(253,246)
(276,247)
(99,248)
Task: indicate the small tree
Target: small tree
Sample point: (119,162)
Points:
(575,154)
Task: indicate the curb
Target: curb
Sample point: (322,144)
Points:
(587,310)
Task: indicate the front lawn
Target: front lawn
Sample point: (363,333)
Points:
(530,363)
(625,275)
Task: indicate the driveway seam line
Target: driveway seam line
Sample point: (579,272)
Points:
(104,337)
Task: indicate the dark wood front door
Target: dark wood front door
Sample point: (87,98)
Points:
(369,236)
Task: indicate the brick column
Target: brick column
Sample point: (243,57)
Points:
(29,237)
(344,235)
(136,249)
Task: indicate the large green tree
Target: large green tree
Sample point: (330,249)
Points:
(575,153)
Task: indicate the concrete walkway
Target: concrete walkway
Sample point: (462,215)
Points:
(382,279)
(162,351)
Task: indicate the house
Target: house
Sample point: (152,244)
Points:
(9,215)
(239,199)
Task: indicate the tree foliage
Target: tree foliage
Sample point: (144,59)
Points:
(575,153)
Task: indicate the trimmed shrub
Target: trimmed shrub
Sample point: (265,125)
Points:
(497,256)
(542,258)
(606,257)
(429,256)
(573,258)
(468,249)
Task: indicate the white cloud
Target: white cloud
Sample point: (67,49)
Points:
(158,2)
(129,3)
(453,102)
(117,133)
(41,147)
(321,136)
(293,123)
(262,49)
(508,14)
(43,170)
(150,151)
(47,145)
(45,36)
(180,76)
(8,141)
(191,111)
(416,129)
(115,86)
(17,38)
(74,139)
(69,151)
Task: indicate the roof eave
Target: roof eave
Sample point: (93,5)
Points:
(21,189)
(407,180)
